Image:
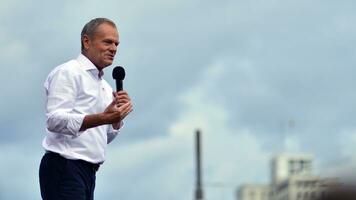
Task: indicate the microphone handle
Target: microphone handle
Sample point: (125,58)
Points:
(118,85)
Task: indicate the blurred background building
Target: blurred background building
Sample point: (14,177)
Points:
(292,178)
(254,191)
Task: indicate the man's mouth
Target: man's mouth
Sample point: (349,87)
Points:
(111,57)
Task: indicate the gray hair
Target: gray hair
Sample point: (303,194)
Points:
(90,28)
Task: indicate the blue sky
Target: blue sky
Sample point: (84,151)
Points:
(241,71)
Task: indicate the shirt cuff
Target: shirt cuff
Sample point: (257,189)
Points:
(115,131)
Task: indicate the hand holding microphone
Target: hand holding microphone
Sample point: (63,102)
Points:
(121,105)
(116,111)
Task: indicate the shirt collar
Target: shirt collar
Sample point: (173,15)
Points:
(87,65)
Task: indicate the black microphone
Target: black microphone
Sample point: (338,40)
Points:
(118,73)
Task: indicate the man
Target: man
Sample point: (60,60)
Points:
(83,116)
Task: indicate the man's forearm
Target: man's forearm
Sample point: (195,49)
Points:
(93,120)
(99,119)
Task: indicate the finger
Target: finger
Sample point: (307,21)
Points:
(114,94)
(123,96)
(125,108)
(122,112)
(128,109)
(122,101)
(121,92)
(126,112)
(116,98)
(120,104)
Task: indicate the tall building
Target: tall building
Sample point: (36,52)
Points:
(283,166)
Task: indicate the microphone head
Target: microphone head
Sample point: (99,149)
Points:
(118,73)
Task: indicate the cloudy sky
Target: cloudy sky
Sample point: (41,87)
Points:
(258,77)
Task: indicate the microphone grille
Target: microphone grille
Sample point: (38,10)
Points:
(118,73)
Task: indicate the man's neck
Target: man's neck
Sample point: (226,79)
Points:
(92,61)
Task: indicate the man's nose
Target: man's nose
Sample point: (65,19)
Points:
(113,48)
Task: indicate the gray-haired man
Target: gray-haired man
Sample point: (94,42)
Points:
(83,115)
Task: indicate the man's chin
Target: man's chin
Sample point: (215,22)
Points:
(108,63)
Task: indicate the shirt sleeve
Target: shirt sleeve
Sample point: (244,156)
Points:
(61,94)
(112,133)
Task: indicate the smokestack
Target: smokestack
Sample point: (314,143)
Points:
(198,190)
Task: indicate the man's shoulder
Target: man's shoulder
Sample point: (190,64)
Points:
(69,67)
(67,70)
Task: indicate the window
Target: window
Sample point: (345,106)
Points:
(299,196)
(252,195)
(313,195)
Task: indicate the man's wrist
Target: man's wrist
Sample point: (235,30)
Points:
(105,117)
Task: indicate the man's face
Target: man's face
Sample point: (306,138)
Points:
(102,47)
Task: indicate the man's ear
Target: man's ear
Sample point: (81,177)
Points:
(86,42)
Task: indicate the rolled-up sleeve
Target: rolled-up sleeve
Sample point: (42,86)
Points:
(61,94)
(112,133)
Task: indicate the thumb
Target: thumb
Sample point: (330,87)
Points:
(114,94)
(115,99)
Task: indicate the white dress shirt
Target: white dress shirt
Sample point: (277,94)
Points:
(73,90)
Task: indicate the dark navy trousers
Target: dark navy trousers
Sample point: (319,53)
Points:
(65,179)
